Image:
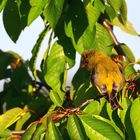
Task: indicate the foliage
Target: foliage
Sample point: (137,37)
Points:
(36,103)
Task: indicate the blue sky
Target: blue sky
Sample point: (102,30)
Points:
(29,36)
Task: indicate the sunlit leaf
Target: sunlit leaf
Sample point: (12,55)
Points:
(93,14)
(52,11)
(6,133)
(95,107)
(54,67)
(23,119)
(115,4)
(128,27)
(56,98)
(75,128)
(39,131)
(10,117)
(117,129)
(53,132)
(36,9)
(98,129)
(135,117)
(2,4)
(103,41)
(28,134)
(110,12)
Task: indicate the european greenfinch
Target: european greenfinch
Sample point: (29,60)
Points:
(105,75)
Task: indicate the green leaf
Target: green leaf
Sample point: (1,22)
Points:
(98,129)
(123,12)
(128,70)
(97,39)
(86,41)
(2,4)
(52,11)
(103,40)
(10,117)
(128,52)
(124,115)
(5,133)
(75,14)
(57,98)
(110,12)
(125,103)
(28,134)
(93,14)
(81,89)
(36,9)
(53,132)
(11,19)
(39,131)
(75,128)
(100,5)
(135,117)
(128,28)
(36,49)
(24,8)
(54,67)
(115,4)
(117,129)
(23,119)
(95,107)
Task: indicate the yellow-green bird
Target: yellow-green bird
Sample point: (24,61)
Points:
(105,74)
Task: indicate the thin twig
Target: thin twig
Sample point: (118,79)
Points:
(20,132)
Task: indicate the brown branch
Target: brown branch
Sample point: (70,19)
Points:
(117,47)
(109,29)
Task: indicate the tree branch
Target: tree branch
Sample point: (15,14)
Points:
(117,47)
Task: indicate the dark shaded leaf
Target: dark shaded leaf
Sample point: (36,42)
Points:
(11,19)
(36,49)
